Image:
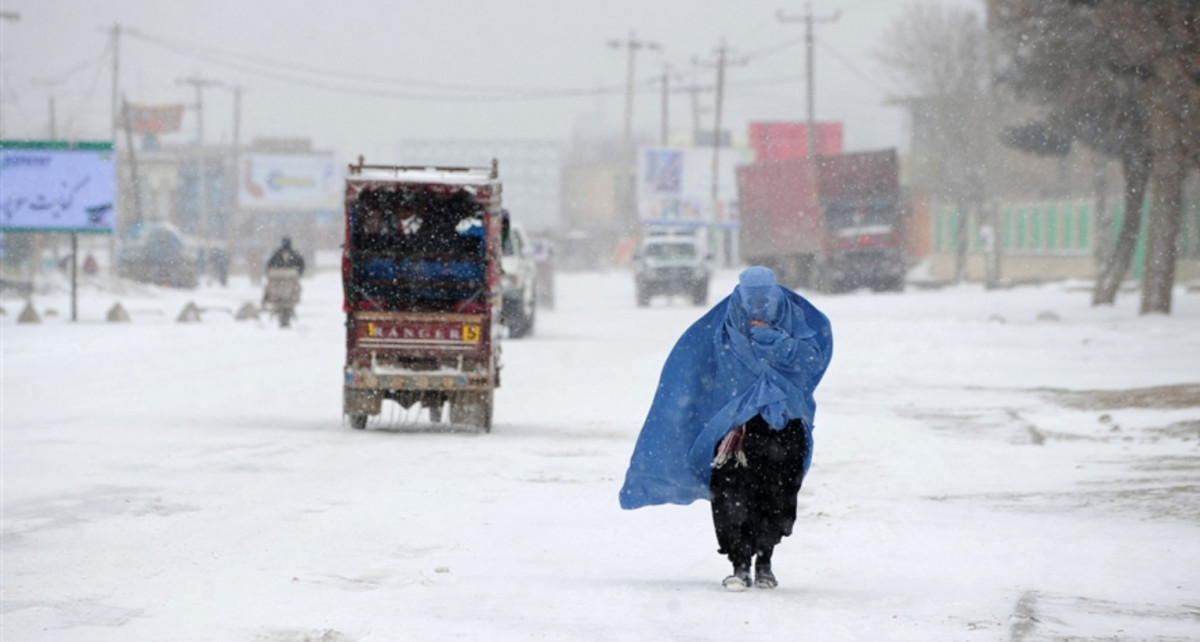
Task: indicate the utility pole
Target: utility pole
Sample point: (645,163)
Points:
(235,156)
(720,64)
(808,19)
(114,123)
(52,128)
(991,208)
(694,92)
(200,84)
(237,117)
(138,215)
(666,90)
(625,200)
(116,76)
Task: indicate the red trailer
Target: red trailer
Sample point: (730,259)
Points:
(830,225)
(421,284)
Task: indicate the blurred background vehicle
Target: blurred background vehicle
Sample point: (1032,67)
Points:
(518,281)
(159,253)
(543,258)
(668,263)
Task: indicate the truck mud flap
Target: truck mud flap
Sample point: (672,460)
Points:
(361,402)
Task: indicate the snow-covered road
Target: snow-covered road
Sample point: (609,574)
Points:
(165,481)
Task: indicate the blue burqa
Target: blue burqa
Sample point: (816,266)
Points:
(760,351)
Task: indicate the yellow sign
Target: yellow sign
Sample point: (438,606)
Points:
(471,333)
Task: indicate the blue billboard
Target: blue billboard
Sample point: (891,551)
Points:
(50,186)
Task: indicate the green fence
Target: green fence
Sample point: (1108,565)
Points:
(1058,228)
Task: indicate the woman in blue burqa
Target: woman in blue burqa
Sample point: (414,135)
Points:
(732,420)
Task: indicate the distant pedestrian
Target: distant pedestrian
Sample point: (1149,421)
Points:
(220,264)
(90,266)
(732,420)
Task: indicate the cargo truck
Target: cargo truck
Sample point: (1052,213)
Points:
(421,283)
(830,224)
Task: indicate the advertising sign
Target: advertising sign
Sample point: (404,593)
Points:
(675,185)
(278,181)
(154,119)
(784,140)
(49,186)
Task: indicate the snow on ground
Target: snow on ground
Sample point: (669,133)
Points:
(982,472)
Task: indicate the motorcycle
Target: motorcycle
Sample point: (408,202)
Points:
(282,294)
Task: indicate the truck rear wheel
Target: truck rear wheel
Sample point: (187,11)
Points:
(358,422)
(519,317)
(472,409)
(522,323)
(891,284)
(700,293)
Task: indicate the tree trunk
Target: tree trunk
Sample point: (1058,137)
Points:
(1136,168)
(1166,214)
(960,243)
(1103,241)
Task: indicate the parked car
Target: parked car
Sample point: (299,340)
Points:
(518,280)
(543,258)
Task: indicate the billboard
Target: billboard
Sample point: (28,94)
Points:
(783,140)
(153,119)
(52,186)
(287,181)
(675,185)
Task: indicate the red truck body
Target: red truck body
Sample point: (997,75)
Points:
(830,224)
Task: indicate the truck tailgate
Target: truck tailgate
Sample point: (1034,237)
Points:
(416,334)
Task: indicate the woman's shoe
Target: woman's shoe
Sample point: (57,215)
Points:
(739,581)
(764,578)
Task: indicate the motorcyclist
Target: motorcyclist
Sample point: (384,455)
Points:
(286,257)
(284,269)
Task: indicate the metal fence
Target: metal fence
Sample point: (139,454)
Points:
(1056,228)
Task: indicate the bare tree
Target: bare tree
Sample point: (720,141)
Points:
(940,54)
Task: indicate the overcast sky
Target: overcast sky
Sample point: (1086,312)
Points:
(357,76)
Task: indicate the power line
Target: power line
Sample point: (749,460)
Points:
(344,88)
(861,4)
(767,80)
(86,103)
(64,75)
(854,69)
(293,73)
(7,86)
(775,48)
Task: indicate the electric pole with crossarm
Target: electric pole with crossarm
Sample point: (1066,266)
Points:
(719,64)
(809,74)
(625,197)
